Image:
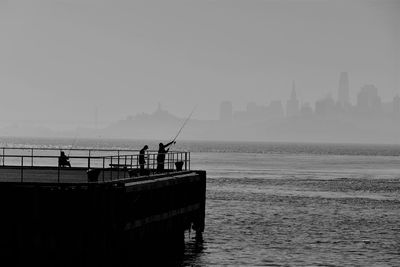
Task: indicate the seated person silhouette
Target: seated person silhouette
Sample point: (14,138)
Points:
(142,159)
(63,160)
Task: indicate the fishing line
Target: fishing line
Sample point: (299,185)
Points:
(184,123)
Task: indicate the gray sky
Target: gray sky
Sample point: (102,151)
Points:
(60,60)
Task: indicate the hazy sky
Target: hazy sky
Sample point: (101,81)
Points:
(60,60)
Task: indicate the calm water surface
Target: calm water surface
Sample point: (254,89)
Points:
(299,209)
(291,204)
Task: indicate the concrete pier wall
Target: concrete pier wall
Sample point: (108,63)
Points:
(120,223)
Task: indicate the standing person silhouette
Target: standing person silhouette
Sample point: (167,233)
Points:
(142,159)
(161,155)
(63,160)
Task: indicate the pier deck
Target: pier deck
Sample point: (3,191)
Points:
(43,175)
(76,175)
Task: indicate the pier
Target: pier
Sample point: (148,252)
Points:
(101,211)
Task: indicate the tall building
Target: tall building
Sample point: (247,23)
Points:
(225,111)
(325,106)
(368,99)
(343,90)
(292,105)
(396,104)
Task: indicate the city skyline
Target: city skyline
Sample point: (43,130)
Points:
(291,107)
(368,119)
(367,100)
(124,57)
(343,95)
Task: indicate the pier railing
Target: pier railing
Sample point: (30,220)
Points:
(28,164)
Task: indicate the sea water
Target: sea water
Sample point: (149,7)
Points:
(277,204)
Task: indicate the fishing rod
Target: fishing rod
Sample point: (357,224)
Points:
(183,125)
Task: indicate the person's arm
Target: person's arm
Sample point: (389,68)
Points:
(170,143)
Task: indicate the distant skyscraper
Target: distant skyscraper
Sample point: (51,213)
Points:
(343,90)
(396,104)
(368,99)
(292,106)
(325,106)
(225,111)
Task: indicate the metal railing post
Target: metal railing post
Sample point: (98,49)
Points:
(153,162)
(186,161)
(181,158)
(111,168)
(31,157)
(104,159)
(171,157)
(125,167)
(22,169)
(3,155)
(168,165)
(148,161)
(89,160)
(118,166)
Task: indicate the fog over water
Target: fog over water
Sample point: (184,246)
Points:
(90,64)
